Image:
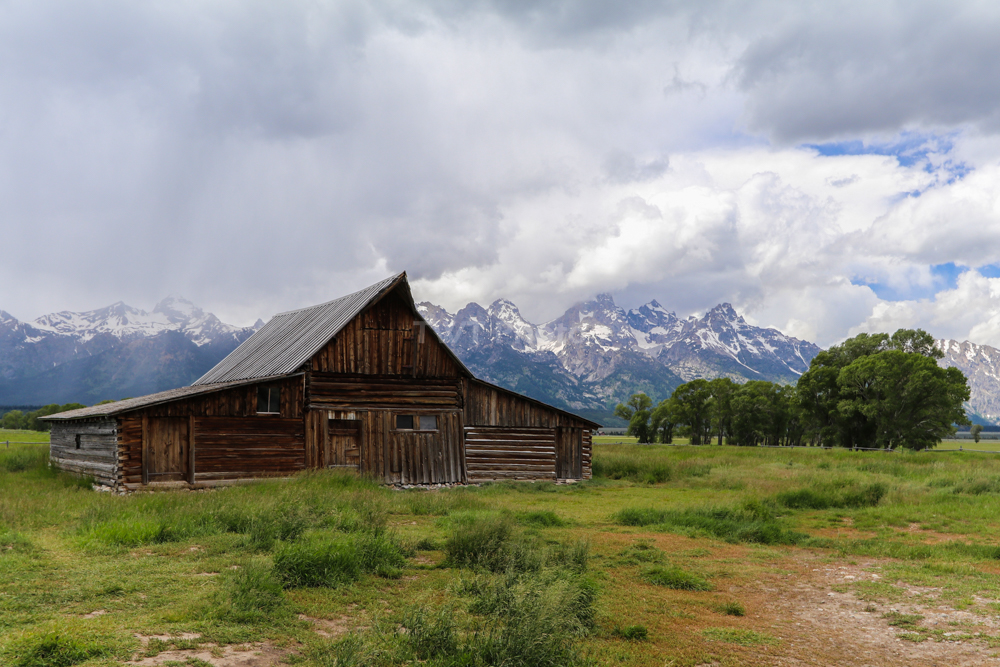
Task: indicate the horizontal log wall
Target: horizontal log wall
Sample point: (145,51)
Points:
(588,449)
(382,340)
(97,448)
(493,453)
(252,447)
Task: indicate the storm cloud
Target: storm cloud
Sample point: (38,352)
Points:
(814,164)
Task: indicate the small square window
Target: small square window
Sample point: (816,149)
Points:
(428,422)
(404,422)
(268,400)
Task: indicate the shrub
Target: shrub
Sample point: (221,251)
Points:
(488,541)
(637,633)
(674,577)
(533,620)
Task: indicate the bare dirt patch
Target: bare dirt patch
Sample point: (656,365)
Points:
(328,627)
(822,621)
(239,655)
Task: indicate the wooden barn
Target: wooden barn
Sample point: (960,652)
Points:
(359,383)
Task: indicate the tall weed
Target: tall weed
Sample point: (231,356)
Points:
(251,594)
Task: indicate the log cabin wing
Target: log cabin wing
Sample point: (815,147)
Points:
(360,383)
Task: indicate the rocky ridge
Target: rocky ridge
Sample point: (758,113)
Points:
(596,353)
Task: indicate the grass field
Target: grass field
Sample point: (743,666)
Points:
(670,556)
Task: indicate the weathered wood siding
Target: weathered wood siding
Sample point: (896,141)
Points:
(508,436)
(235,402)
(486,405)
(390,455)
(224,448)
(167,448)
(569,452)
(250,447)
(505,452)
(385,340)
(86,448)
(588,449)
(333,391)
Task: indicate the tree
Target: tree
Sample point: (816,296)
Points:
(825,418)
(906,399)
(975,431)
(14,420)
(721,413)
(637,412)
(663,421)
(692,408)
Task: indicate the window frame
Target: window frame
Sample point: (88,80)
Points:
(273,391)
(416,422)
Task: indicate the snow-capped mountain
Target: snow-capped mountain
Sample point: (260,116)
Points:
(125,322)
(981,365)
(46,347)
(598,353)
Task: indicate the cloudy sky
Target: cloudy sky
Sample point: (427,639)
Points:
(828,167)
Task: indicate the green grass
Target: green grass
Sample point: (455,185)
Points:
(640,565)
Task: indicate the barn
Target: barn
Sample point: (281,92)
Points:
(360,383)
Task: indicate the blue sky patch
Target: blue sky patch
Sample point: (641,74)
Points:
(909,148)
(943,277)
(989,271)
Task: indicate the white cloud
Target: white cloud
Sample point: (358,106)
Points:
(259,157)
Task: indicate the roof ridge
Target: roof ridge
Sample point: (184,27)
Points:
(339,298)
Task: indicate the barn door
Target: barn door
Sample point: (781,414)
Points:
(343,443)
(569,453)
(165,446)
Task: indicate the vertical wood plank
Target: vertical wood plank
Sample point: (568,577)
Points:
(145,449)
(190,460)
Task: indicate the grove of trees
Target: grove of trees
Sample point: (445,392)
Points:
(18,419)
(871,391)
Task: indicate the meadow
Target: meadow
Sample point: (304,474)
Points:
(669,556)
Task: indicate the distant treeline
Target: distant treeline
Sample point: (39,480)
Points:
(871,391)
(29,421)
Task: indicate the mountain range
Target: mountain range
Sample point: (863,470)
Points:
(111,352)
(597,354)
(586,360)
